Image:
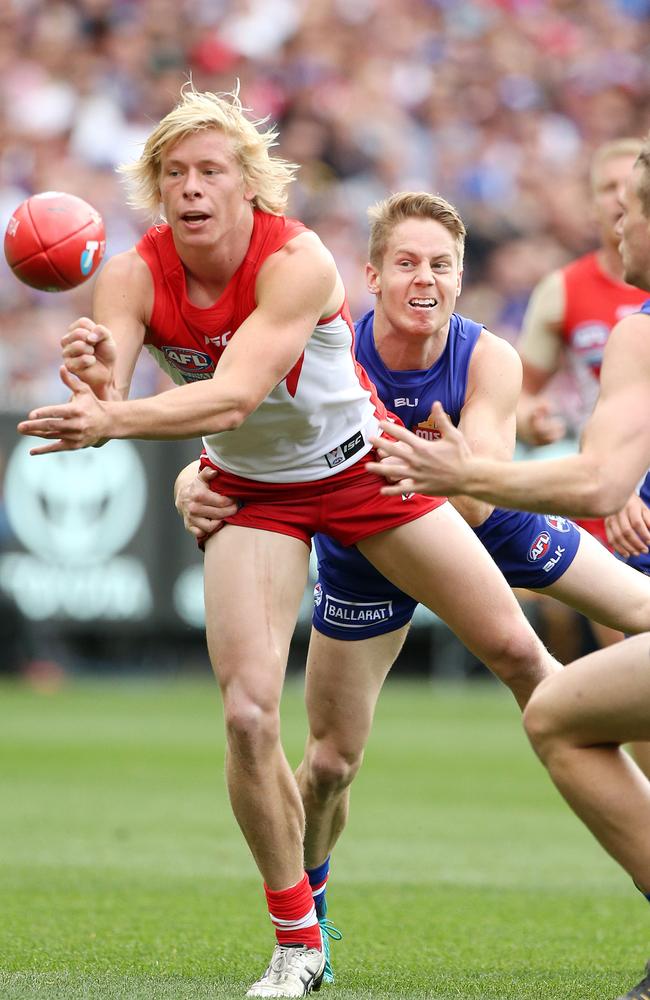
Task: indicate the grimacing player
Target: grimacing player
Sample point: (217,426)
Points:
(578,720)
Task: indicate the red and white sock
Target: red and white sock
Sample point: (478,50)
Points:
(294,915)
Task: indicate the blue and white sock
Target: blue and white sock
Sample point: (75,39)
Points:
(318,881)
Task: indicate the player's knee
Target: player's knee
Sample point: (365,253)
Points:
(329,770)
(520,660)
(252,727)
(542,722)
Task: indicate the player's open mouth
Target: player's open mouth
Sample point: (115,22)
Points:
(194,218)
(423,303)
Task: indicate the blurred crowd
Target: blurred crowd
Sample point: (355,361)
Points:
(496,104)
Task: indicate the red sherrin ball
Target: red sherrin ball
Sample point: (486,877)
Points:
(54,241)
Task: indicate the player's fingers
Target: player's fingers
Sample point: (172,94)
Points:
(73,383)
(388,470)
(395,431)
(398,449)
(47,449)
(642,524)
(623,537)
(99,333)
(396,489)
(199,493)
(75,347)
(445,426)
(84,324)
(202,524)
(78,366)
(619,546)
(224,508)
(207,474)
(216,511)
(81,364)
(43,419)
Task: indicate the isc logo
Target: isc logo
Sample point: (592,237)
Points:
(219,341)
(540,546)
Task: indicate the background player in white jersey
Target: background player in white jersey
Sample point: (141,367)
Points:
(578,720)
(266,285)
(360,618)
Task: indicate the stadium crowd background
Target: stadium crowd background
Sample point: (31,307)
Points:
(496,104)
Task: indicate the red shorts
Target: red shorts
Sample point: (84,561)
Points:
(347,506)
(596,527)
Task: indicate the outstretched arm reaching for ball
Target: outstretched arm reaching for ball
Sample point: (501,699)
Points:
(295,288)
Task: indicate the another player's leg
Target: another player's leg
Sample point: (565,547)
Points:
(343,681)
(602,587)
(438,560)
(577,722)
(607,590)
(254,581)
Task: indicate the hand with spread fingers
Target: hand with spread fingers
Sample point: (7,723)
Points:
(79,423)
(414,465)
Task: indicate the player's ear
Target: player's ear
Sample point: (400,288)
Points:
(459,282)
(373,282)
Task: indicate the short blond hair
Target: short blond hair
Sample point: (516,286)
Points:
(267,175)
(389,213)
(610,151)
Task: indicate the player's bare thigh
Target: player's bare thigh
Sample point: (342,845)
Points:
(601,586)
(601,698)
(254,582)
(342,685)
(438,560)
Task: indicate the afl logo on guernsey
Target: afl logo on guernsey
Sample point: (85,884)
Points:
(192,365)
(540,547)
(588,341)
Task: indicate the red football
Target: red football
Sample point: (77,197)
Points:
(54,241)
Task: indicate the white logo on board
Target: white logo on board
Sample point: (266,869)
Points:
(73,512)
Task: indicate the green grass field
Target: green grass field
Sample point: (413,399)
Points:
(462,873)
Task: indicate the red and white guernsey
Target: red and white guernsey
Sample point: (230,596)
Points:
(594,303)
(317,421)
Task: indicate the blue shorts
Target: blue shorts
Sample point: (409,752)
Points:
(352,600)
(642,562)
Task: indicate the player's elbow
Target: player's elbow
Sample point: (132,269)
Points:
(605,494)
(232,419)
(238,408)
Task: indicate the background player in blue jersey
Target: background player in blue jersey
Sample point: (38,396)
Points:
(417,350)
(578,720)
